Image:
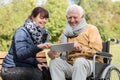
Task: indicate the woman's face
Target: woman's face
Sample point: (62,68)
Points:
(41,21)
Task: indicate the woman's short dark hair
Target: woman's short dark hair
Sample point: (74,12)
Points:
(39,10)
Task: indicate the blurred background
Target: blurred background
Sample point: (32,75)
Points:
(105,14)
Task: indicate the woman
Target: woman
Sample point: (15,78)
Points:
(31,38)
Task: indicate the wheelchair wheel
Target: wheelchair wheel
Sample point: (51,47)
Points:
(111,73)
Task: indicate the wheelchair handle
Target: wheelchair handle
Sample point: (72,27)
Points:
(117,41)
(106,54)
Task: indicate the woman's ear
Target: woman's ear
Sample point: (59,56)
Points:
(32,17)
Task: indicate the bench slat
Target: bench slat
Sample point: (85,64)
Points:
(42,60)
(1,60)
(2,55)
(41,56)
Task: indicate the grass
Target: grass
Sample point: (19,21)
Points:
(115,51)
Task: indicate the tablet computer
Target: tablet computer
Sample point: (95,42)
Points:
(63,47)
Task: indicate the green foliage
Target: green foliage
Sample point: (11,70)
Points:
(15,13)
(57,20)
(102,13)
(13,16)
(114,50)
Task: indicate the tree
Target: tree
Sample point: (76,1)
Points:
(15,13)
(13,16)
(102,13)
(99,13)
(57,20)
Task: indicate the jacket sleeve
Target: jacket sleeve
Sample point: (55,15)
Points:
(94,43)
(24,46)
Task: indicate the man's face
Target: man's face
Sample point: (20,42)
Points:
(73,18)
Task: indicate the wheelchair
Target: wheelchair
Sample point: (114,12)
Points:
(104,71)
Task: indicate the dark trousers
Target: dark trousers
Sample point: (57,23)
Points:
(23,73)
(46,74)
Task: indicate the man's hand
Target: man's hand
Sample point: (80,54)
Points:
(77,46)
(53,54)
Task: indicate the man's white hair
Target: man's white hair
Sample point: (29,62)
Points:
(73,7)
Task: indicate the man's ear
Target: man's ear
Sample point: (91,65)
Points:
(82,16)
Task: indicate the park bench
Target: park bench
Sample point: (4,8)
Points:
(41,56)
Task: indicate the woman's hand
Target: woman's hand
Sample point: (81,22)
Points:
(40,66)
(44,45)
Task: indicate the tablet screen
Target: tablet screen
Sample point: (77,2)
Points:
(63,47)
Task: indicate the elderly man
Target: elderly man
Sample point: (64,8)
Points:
(77,64)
